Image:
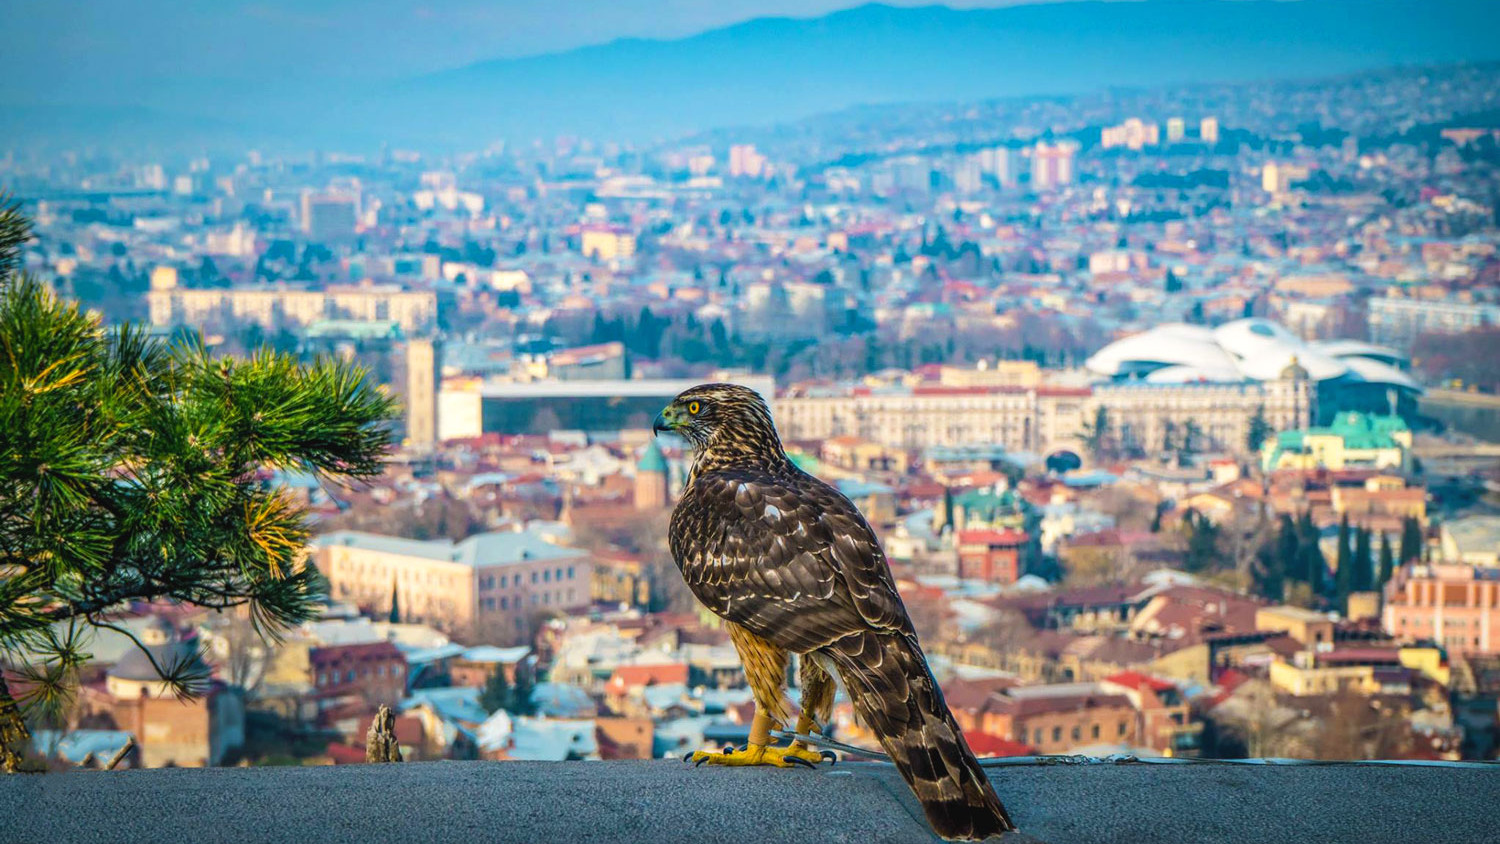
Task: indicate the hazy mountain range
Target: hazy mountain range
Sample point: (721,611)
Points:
(775,69)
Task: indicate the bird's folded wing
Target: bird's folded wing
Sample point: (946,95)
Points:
(789,558)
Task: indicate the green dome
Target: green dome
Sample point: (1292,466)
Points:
(652,460)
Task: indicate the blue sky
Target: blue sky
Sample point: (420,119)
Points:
(97,50)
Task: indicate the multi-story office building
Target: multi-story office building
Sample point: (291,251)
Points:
(1039,419)
(1397,321)
(471,407)
(274,307)
(1052,165)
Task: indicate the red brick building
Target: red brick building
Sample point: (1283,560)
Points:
(375,671)
(993,556)
(1059,718)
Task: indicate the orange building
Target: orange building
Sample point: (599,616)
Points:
(1456,606)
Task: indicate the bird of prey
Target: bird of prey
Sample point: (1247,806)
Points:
(792,567)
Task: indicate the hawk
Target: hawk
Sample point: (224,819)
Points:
(792,567)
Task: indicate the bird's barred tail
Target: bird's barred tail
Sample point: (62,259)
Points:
(895,695)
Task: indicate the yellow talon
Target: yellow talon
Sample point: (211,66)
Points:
(759,754)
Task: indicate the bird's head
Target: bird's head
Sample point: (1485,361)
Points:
(722,418)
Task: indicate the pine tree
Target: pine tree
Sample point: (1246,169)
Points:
(496,694)
(132,471)
(1387,563)
(1203,542)
(520,694)
(1169,438)
(1259,431)
(1097,434)
(395,615)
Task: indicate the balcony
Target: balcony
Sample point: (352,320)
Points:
(668,801)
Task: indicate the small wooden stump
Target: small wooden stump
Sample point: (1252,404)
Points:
(381,744)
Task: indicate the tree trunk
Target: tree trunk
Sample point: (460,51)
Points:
(14,737)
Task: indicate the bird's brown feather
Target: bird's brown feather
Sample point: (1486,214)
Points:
(790,560)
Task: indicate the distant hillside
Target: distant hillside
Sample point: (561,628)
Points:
(775,69)
(778,68)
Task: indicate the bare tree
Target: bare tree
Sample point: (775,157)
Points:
(1257,718)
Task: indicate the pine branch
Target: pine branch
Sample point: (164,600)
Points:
(15,230)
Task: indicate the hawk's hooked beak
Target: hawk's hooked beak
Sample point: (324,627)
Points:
(667,420)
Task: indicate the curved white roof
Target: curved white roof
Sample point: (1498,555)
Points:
(1264,350)
(1378,372)
(1174,343)
(1185,374)
(1244,350)
(1356,348)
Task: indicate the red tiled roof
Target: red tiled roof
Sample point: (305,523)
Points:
(991,537)
(1137,680)
(986,744)
(364,652)
(633,676)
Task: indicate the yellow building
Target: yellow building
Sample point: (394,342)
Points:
(607,244)
(163,278)
(1306,626)
(1323,680)
(1005,373)
(495,584)
(423,374)
(1353,441)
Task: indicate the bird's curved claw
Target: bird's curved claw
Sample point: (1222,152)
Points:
(757,754)
(833,758)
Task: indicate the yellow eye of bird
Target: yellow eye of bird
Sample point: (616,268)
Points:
(694,407)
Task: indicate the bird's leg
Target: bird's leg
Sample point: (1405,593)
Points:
(807,725)
(759,751)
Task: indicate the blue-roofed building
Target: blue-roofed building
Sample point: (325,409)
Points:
(876,500)
(450,717)
(491,585)
(560,700)
(553,740)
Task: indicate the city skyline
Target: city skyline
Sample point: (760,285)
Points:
(1162,372)
(263,75)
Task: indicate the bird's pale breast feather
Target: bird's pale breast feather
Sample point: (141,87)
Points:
(786,556)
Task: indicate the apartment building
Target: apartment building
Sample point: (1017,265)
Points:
(273,307)
(1455,605)
(498,583)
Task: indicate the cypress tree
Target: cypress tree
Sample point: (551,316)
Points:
(1386,561)
(1286,547)
(1411,539)
(395,615)
(1313,565)
(1363,574)
(1343,581)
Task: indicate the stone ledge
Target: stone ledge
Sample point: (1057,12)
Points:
(668,801)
